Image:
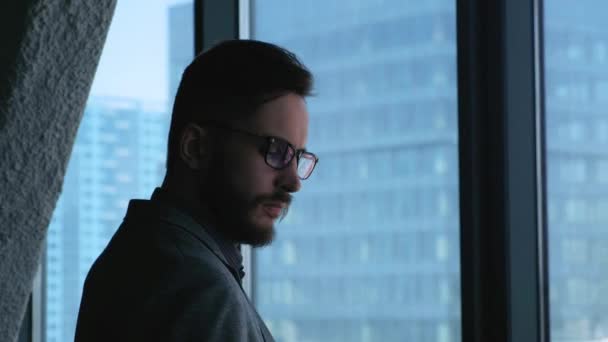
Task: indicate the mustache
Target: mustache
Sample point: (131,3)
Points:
(279,196)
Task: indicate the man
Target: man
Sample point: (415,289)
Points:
(172,271)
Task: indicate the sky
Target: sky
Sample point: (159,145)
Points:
(134,61)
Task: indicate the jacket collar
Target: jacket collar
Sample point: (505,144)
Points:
(169,210)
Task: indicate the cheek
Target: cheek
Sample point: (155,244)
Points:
(251,176)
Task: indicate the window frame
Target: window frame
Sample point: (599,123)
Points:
(216,20)
(502,171)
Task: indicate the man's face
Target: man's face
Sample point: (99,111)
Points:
(246,195)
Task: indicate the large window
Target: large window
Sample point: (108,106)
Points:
(576,72)
(370,250)
(119,152)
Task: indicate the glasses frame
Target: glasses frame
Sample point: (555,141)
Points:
(297,153)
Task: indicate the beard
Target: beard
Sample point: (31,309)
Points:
(231,209)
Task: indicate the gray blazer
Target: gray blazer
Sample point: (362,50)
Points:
(163,278)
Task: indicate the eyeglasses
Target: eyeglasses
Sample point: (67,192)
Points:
(278,153)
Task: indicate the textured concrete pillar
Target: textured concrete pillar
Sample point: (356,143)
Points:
(48,57)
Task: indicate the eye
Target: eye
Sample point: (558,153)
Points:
(277,147)
(280,153)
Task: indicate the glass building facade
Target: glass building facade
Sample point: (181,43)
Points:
(576,96)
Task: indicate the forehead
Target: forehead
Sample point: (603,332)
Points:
(285,117)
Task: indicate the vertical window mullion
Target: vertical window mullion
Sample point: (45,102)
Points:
(243,32)
(214,21)
(524,192)
(501,208)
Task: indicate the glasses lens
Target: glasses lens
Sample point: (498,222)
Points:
(279,153)
(305,165)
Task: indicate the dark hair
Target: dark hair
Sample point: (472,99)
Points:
(231,81)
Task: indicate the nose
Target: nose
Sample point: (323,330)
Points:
(288,178)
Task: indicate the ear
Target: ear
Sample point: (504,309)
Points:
(194,146)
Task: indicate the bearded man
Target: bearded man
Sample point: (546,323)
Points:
(236,154)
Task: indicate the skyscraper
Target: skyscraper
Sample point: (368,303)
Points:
(576,94)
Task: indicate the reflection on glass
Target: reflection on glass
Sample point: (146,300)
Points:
(119,152)
(370,249)
(576,73)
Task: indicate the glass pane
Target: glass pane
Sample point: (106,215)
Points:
(119,152)
(370,249)
(576,74)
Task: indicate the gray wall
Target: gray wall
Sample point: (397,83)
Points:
(48,57)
